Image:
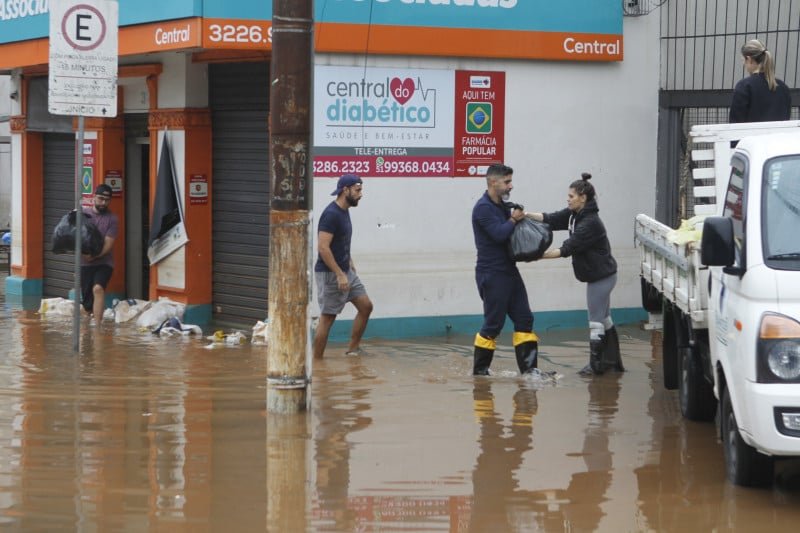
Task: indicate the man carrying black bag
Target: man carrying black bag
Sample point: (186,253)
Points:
(96,270)
(499,282)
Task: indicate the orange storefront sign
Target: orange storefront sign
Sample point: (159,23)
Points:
(241,34)
(160,36)
(460,42)
(180,34)
(156,37)
(237,34)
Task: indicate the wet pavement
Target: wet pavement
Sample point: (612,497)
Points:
(139,433)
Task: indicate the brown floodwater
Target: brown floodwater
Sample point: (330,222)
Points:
(139,433)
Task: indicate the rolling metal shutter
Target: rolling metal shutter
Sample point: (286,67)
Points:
(239,96)
(59,199)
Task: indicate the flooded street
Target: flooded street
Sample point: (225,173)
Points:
(141,433)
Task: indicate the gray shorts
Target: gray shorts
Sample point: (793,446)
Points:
(331,299)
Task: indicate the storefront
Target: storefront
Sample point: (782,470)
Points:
(403,100)
(169,55)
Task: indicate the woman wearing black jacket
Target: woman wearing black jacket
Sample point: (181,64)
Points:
(760,96)
(593,264)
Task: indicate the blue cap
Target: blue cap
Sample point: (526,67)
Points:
(348,180)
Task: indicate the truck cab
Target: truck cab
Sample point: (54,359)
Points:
(753,253)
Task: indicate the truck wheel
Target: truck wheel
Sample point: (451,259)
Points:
(669,349)
(745,466)
(695,392)
(651,299)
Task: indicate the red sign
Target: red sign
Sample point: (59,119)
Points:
(198,189)
(383,166)
(479,121)
(113,179)
(89,171)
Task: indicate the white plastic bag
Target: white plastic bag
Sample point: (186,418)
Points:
(158,312)
(261,332)
(56,306)
(126,310)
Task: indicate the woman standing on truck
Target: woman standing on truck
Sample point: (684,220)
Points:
(593,264)
(760,97)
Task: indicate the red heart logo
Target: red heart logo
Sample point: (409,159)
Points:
(402,90)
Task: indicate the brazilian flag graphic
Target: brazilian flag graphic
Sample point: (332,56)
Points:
(479,117)
(86,180)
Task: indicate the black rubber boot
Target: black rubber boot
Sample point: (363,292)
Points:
(482,361)
(527,356)
(595,366)
(612,359)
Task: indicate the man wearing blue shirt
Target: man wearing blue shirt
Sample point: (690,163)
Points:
(335,273)
(499,282)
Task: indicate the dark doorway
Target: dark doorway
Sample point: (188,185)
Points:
(137,206)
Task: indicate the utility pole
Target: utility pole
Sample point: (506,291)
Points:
(289,232)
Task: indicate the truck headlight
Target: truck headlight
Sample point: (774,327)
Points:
(778,353)
(783,359)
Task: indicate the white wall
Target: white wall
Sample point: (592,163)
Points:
(5,152)
(412,237)
(183,83)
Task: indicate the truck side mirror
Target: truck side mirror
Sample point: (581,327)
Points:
(717,246)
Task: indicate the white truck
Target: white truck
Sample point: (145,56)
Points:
(730,301)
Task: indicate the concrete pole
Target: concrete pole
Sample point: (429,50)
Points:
(289,235)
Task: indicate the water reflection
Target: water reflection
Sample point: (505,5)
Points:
(587,490)
(683,464)
(119,438)
(579,507)
(497,501)
(341,402)
(287,473)
(682,483)
(143,433)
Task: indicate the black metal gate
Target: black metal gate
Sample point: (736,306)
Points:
(59,199)
(239,96)
(700,64)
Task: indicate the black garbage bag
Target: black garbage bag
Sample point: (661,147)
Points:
(530,240)
(64,236)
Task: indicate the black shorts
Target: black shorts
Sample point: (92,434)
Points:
(90,276)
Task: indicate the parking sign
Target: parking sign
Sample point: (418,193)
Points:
(83,58)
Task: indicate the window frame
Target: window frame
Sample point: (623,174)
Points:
(740,167)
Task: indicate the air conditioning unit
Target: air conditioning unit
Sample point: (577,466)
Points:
(636,8)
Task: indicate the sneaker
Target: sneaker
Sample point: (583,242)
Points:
(356,353)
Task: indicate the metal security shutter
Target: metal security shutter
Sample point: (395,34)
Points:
(239,95)
(59,199)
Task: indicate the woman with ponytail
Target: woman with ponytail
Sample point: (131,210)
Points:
(760,97)
(593,264)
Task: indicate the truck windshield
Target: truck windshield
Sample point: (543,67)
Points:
(781,213)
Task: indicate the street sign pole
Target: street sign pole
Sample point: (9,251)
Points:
(76,310)
(82,82)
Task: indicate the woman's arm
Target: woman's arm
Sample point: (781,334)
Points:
(558,220)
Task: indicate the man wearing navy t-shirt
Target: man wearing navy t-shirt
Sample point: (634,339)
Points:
(335,273)
(500,284)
